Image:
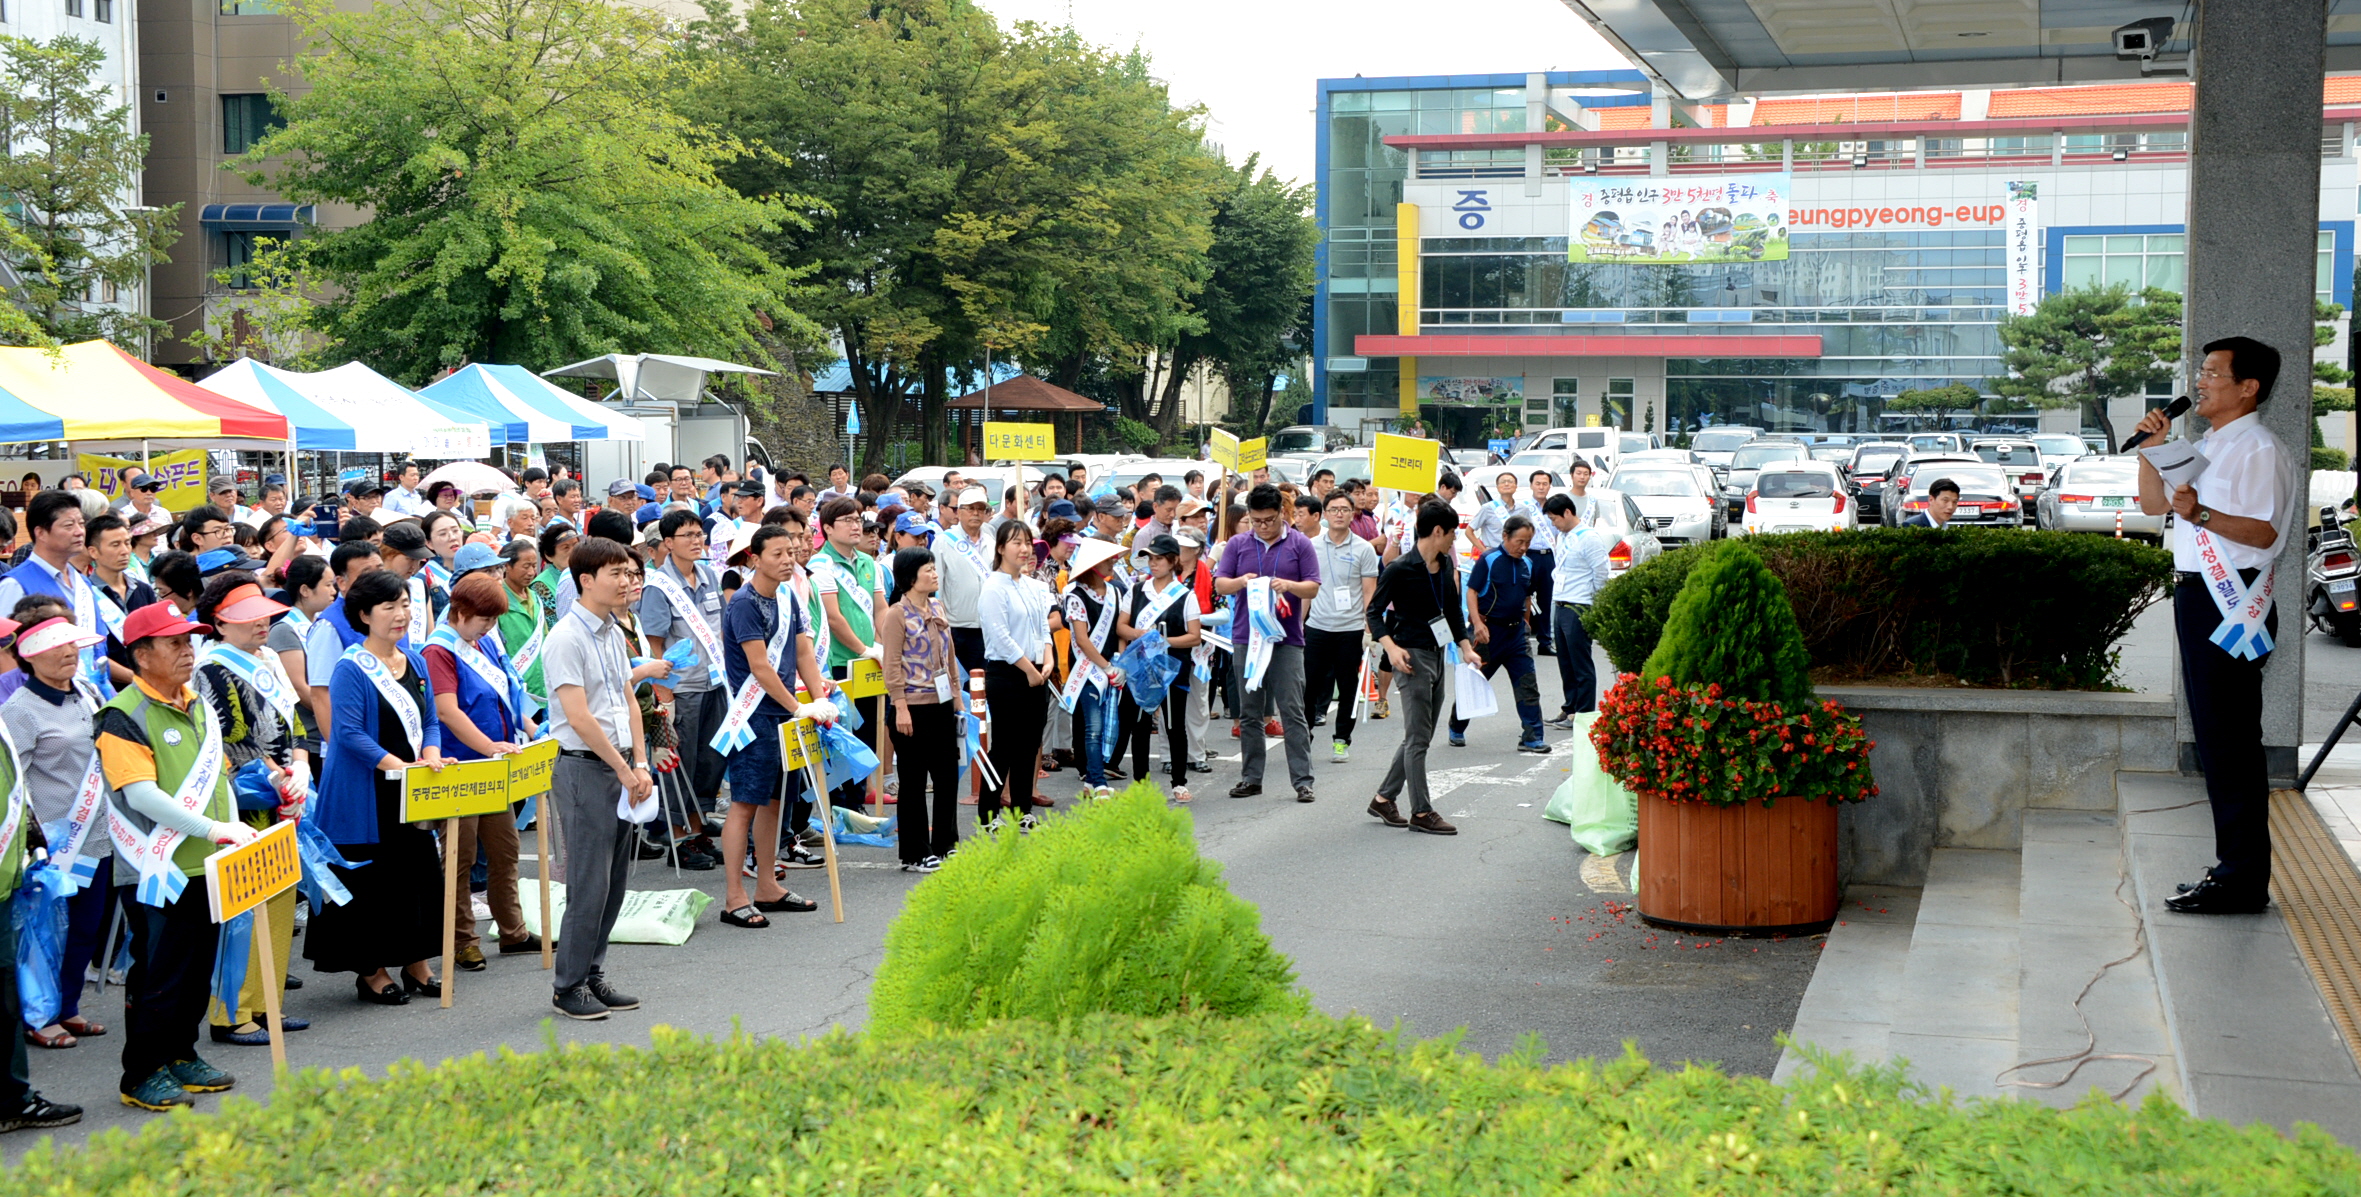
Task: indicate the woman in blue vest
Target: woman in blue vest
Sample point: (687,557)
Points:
(382,718)
(481,703)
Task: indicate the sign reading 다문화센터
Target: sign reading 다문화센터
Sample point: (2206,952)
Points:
(1692,218)
(1019,442)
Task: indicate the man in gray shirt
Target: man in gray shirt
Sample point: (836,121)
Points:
(963,556)
(587,665)
(1338,617)
(683,586)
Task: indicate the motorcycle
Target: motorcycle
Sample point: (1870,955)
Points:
(2332,580)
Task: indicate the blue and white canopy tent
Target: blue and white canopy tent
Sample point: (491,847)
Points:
(529,410)
(354,409)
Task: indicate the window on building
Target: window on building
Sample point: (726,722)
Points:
(1615,405)
(246,119)
(239,251)
(249,8)
(103,11)
(2324,268)
(2135,260)
(73,8)
(1564,402)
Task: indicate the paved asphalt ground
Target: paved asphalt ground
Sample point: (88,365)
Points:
(1494,931)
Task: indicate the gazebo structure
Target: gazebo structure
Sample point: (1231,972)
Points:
(1024,393)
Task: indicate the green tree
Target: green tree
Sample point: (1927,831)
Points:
(2085,346)
(1732,626)
(534,196)
(1942,400)
(71,163)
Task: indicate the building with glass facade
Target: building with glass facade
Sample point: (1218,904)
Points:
(1511,208)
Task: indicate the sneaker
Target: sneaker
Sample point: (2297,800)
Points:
(480,909)
(1536,747)
(609,996)
(811,837)
(1111,769)
(1271,728)
(1317,721)
(579,1003)
(697,862)
(1246,789)
(1028,822)
(530,943)
(1303,794)
(1339,751)
(196,1076)
(471,959)
(1458,740)
(1380,709)
(1200,766)
(1563,721)
(1431,823)
(648,850)
(159,1092)
(1384,810)
(798,857)
(39,1112)
(928,865)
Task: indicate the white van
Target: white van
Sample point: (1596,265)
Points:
(1601,447)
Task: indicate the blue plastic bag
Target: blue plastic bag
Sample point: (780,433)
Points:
(848,759)
(1148,669)
(39,919)
(253,786)
(229,959)
(318,884)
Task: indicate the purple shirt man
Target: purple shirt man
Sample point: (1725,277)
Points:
(1291,557)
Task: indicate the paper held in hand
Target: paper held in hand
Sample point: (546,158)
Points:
(2177,462)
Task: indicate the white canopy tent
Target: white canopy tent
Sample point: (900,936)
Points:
(662,377)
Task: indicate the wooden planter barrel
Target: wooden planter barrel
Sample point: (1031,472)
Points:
(1738,870)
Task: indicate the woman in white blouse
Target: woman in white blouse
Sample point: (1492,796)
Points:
(1014,611)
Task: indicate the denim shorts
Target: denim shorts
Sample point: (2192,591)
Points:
(754,770)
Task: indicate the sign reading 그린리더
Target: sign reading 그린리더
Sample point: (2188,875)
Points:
(1692,218)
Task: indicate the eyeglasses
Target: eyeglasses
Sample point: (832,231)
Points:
(2213,376)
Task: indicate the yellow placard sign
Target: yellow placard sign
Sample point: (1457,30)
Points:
(463,788)
(799,742)
(239,879)
(529,770)
(182,473)
(1404,463)
(1019,442)
(1591,420)
(1253,455)
(1225,450)
(866,681)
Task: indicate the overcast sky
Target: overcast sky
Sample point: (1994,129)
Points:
(1252,63)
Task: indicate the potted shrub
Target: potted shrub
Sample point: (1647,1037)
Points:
(1737,767)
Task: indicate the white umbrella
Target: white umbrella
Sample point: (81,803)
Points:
(471,477)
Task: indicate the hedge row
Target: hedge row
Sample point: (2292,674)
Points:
(1105,1104)
(1989,606)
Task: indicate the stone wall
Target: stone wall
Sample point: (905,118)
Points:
(1958,768)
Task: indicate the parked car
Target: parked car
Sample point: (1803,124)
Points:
(1715,445)
(1797,496)
(1598,446)
(1866,476)
(1677,500)
(1936,442)
(1749,458)
(1618,515)
(1638,442)
(2019,456)
(1558,462)
(1309,438)
(1352,463)
(2060,446)
(995,479)
(1987,494)
(1175,471)
(2091,493)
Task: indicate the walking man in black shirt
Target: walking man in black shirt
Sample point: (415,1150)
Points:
(1415,613)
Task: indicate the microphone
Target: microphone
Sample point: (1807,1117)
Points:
(2172,411)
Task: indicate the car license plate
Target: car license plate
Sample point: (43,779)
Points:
(2115,501)
(1793,528)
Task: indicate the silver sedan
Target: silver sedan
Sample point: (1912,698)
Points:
(2091,493)
(1677,500)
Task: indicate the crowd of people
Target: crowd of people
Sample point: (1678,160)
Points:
(174,684)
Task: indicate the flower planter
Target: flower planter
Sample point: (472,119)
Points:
(1742,869)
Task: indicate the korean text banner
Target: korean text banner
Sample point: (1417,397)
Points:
(182,473)
(1692,218)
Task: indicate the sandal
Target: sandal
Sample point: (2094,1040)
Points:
(82,1026)
(744,916)
(62,1039)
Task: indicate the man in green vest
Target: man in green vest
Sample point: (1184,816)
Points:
(850,591)
(172,809)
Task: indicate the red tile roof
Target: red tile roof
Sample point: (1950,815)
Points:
(2092,101)
(1827,110)
(1623,118)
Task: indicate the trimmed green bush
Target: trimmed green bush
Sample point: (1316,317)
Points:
(1106,909)
(1984,606)
(1311,1105)
(1731,626)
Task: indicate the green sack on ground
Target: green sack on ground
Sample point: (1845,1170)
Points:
(665,916)
(1603,816)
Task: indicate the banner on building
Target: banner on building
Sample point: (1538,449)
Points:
(182,473)
(2023,240)
(1693,218)
(1483,392)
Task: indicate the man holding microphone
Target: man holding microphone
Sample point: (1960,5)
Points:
(2225,542)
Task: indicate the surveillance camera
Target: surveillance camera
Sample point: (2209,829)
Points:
(2142,40)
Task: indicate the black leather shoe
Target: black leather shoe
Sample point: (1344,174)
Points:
(2212,897)
(431,989)
(391,995)
(1245,789)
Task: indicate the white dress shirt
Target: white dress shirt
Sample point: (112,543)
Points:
(961,564)
(1015,615)
(404,501)
(1582,566)
(2245,475)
